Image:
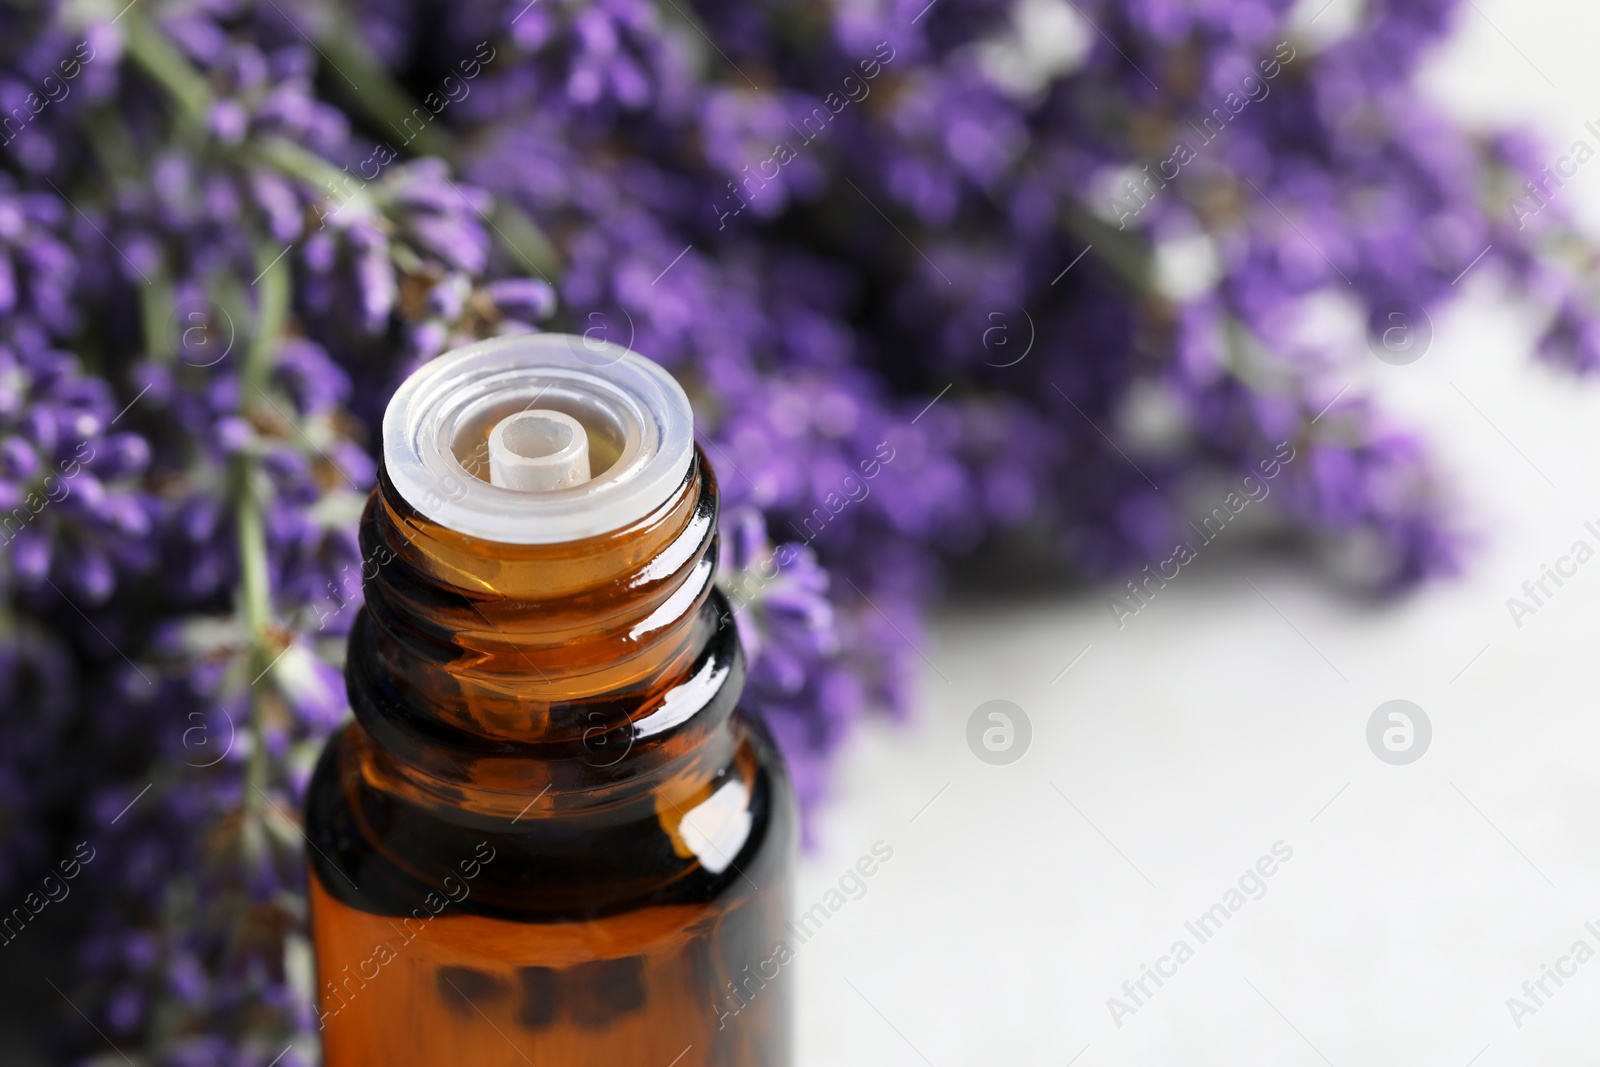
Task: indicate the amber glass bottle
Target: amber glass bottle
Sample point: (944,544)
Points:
(550,837)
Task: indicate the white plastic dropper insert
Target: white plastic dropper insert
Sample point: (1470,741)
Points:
(537,451)
(629,418)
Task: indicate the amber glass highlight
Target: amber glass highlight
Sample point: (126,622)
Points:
(550,837)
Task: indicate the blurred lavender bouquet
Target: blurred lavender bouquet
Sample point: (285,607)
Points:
(936,275)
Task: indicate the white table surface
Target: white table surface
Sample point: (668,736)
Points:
(1415,903)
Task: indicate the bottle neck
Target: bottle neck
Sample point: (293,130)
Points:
(518,680)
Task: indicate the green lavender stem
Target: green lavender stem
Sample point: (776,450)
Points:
(255,590)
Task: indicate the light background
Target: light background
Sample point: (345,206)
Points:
(1218,723)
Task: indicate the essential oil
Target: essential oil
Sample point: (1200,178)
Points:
(550,836)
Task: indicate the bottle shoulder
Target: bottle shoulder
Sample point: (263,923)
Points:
(688,838)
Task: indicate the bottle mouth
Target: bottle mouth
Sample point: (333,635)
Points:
(635,416)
